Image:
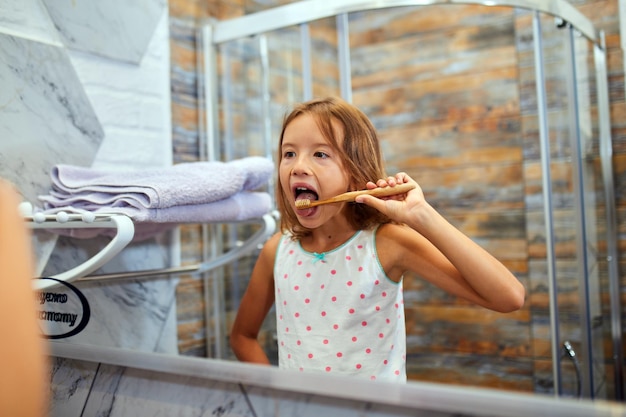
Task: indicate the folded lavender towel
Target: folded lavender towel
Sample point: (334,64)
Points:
(244,205)
(241,206)
(181,184)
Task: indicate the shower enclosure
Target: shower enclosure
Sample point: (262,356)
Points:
(500,110)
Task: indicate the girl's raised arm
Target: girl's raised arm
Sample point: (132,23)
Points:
(440,253)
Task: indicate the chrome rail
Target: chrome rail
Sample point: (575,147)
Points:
(309,10)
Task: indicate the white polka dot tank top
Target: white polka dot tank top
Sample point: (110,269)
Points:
(338,312)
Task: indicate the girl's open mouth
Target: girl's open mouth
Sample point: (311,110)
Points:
(304,193)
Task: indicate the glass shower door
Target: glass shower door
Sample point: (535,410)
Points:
(507,111)
(575,209)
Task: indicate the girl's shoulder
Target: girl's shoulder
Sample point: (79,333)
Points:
(274,240)
(397,241)
(389,249)
(271,245)
(278,239)
(392,232)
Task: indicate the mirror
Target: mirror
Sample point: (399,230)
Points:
(456,105)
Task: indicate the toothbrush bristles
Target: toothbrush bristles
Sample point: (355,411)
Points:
(302,204)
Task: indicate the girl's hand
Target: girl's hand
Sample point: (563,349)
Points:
(398,207)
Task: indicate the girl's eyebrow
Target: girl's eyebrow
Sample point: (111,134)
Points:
(312,142)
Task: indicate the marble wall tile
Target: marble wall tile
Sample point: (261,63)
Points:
(45,119)
(116,29)
(136,314)
(70,386)
(125,391)
(85,388)
(27,18)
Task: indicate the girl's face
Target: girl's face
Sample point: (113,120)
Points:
(310,167)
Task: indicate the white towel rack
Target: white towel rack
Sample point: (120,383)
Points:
(125,230)
(268,227)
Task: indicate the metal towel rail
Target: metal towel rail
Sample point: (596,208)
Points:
(125,231)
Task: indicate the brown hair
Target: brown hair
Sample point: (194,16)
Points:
(360,154)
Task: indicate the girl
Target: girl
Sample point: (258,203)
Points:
(335,271)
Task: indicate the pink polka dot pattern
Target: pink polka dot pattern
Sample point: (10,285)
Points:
(343,315)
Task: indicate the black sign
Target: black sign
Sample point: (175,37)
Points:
(65,312)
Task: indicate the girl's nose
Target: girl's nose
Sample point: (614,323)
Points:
(300,167)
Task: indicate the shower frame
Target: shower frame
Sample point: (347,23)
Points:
(301,13)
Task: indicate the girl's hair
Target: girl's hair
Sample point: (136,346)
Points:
(360,154)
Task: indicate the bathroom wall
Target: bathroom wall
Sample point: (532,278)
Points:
(92,95)
(132,102)
(191,312)
(447,112)
(103,104)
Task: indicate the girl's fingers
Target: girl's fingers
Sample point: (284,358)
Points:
(391,181)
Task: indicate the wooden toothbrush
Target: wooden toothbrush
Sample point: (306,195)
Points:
(351,195)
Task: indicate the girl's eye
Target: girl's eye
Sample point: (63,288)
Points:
(320,154)
(289,154)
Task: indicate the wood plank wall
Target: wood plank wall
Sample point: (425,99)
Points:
(443,94)
(451,91)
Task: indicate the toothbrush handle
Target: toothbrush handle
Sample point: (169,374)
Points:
(376,192)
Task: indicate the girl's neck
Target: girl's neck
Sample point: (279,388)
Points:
(325,239)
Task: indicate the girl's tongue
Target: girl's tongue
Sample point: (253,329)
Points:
(306,195)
